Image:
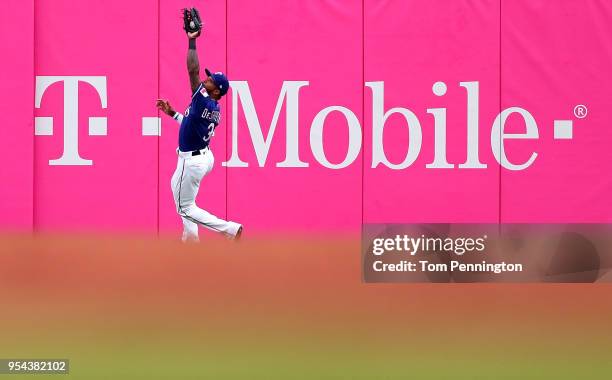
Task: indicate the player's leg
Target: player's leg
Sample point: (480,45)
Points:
(193,170)
(176,179)
(190,229)
(210,221)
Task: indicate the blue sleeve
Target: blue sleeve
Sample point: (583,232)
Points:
(197,90)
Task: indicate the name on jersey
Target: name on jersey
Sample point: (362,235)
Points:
(213,116)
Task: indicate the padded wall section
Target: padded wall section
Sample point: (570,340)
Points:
(409,47)
(312,50)
(557,58)
(16,115)
(94,169)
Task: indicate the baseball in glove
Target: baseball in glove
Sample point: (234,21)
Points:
(191,21)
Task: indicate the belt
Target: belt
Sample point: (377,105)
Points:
(192,153)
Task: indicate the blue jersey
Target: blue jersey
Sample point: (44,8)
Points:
(201,118)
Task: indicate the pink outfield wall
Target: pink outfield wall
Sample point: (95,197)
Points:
(16,110)
(537,58)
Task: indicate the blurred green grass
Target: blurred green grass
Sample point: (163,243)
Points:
(184,354)
(133,309)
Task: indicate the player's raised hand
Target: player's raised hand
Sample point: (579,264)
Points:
(164,106)
(192,23)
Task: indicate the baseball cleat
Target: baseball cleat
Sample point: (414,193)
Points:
(238,234)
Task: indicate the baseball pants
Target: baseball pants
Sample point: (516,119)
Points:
(185,185)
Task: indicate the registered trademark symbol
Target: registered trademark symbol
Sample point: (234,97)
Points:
(580,111)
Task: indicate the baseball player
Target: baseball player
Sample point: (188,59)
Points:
(197,126)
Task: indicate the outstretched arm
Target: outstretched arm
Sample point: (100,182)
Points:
(193,64)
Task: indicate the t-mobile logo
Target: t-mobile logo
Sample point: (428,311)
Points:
(242,101)
(43,126)
(289,99)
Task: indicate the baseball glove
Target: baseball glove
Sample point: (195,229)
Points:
(191,20)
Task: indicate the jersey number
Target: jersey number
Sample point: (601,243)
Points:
(211,132)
